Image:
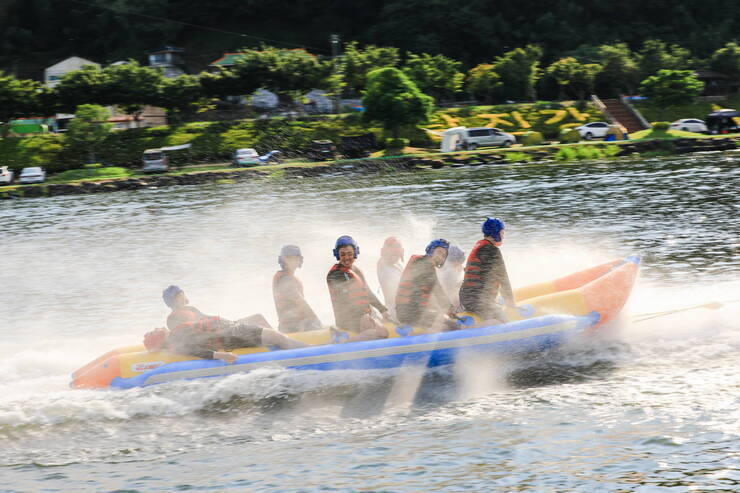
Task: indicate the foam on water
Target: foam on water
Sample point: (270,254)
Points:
(650,392)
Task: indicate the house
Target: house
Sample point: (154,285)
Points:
(53,74)
(717,83)
(169,59)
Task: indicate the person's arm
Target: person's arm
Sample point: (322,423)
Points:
(502,276)
(374,301)
(290,288)
(441,297)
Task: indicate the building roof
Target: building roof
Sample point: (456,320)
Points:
(73,60)
(166,49)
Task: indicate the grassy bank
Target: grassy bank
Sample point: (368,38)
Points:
(698,109)
(212,143)
(216,141)
(97,178)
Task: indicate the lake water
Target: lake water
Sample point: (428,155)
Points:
(655,407)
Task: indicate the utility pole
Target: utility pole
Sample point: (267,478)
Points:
(335,47)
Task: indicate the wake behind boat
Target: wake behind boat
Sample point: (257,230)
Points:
(549,314)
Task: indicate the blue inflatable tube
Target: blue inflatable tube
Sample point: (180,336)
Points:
(431,350)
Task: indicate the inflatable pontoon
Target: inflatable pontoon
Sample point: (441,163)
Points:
(549,313)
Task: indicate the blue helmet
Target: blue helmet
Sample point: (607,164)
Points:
(455,254)
(493,227)
(289,250)
(343,241)
(437,243)
(169,294)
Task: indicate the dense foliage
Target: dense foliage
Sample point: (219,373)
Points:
(473,32)
(669,87)
(88,129)
(393,100)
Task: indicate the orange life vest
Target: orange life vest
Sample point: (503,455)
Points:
(349,296)
(479,287)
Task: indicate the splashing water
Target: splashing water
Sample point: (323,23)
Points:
(655,402)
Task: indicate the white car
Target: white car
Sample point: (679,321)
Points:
(594,130)
(472,138)
(32,175)
(689,125)
(246,157)
(6,175)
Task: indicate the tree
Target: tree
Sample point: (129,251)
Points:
(88,128)
(727,60)
(574,78)
(225,83)
(182,96)
(671,87)
(288,73)
(584,79)
(657,55)
(357,63)
(393,100)
(483,81)
(21,97)
(130,86)
(619,73)
(437,76)
(563,72)
(83,86)
(519,71)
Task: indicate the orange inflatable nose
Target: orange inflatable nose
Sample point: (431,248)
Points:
(98,376)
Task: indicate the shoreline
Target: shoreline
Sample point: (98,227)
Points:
(404,162)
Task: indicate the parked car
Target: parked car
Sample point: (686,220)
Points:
(33,174)
(321,150)
(155,160)
(472,138)
(245,157)
(594,130)
(689,125)
(6,175)
(724,121)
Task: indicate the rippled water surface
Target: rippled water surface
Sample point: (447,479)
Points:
(653,407)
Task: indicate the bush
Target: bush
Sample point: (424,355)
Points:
(669,87)
(587,152)
(611,150)
(569,136)
(517,157)
(548,105)
(565,154)
(531,138)
(661,125)
(37,150)
(396,143)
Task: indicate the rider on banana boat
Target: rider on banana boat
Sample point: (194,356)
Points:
(419,284)
(182,312)
(351,298)
(389,271)
(294,313)
(210,337)
(486,276)
(450,275)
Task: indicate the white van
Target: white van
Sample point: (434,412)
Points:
(155,160)
(471,138)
